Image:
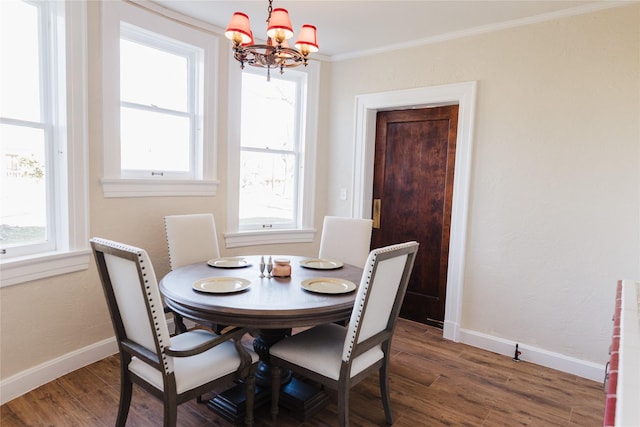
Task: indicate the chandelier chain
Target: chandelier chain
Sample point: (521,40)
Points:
(269,9)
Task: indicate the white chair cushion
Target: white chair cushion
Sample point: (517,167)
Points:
(193,371)
(320,349)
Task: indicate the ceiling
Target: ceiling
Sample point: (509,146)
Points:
(355,28)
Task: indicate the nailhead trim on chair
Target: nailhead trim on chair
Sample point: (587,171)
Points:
(166,234)
(139,253)
(374,255)
(364,296)
(153,311)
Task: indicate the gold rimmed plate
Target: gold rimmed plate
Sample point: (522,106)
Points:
(221,285)
(321,264)
(230,262)
(328,285)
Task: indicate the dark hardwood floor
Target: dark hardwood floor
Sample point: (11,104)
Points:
(434,382)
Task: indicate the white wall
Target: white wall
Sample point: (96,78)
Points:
(554,215)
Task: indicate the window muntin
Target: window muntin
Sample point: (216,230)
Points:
(271,144)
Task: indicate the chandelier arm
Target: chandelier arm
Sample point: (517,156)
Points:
(267,56)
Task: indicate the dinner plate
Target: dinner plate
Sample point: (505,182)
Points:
(221,285)
(321,264)
(328,285)
(231,262)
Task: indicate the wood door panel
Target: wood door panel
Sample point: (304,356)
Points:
(413,177)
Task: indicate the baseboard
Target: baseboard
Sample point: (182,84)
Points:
(25,381)
(571,365)
(32,378)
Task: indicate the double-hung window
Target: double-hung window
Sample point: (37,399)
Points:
(159,114)
(272,150)
(42,139)
(159,105)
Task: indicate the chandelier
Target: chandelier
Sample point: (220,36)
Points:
(276,53)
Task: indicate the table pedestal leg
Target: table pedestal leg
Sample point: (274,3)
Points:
(301,398)
(261,344)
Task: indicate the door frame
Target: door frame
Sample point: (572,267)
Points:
(367,106)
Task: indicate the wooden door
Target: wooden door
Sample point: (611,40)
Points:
(412,192)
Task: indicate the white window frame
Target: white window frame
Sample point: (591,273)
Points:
(297,151)
(69,87)
(203,181)
(304,231)
(194,107)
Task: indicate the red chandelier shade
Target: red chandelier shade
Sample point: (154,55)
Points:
(279,23)
(307,39)
(239,29)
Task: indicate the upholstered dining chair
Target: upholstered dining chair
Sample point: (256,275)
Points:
(173,369)
(339,357)
(191,238)
(346,239)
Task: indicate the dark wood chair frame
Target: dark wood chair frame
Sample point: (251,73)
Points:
(128,349)
(382,338)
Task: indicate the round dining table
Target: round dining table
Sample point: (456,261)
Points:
(271,306)
(267,303)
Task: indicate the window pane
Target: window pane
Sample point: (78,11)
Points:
(23,211)
(266,189)
(154,141)
(268,112)
(150,76)
(20,64)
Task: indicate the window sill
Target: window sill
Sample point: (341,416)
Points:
(26,269)
(158,188)
(268,237)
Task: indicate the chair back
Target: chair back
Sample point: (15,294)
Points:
(346,239)
(134,301)
(191,238)
(384,283)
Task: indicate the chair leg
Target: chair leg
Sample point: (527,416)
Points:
(250,393)
(170,411)
(275,392)
(343,405)
(126,391)
(384,392)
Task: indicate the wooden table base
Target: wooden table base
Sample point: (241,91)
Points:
(301,398)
